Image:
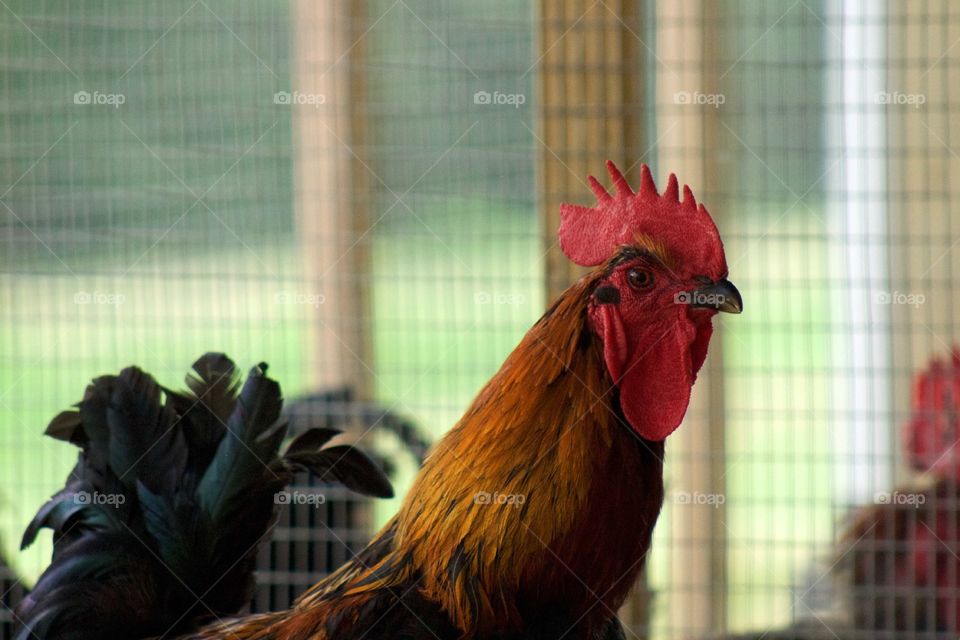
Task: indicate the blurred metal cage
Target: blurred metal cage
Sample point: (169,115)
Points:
(365,195)
(315,535)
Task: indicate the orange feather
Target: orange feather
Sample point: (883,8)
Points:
(540,494)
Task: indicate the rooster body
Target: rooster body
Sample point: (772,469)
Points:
(546,427)
(898,562)
(532,518)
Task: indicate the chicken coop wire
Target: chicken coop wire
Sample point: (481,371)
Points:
(154,196)
(349,191)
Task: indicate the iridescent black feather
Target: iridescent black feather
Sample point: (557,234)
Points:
(157,528)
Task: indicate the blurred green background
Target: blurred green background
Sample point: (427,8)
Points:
(164,227)
(156,230)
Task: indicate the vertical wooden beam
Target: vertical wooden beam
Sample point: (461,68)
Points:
(685,45)
(590,100)
(331,187)
(591,96)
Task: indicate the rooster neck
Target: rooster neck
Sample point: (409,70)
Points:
(542,499)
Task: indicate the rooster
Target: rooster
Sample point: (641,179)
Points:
(898,563)
(904,554)
(532,517)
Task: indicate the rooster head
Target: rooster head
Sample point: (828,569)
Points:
(662,276)
(931,437)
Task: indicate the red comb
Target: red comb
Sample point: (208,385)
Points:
(591,235)
(932,435)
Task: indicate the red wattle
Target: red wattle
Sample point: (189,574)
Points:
(654,376)
(655,386)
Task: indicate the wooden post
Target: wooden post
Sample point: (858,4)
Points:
(696,458)
(590,110)
(591,93)
(331,185)
(592,105)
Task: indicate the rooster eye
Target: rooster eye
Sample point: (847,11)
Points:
(639,279)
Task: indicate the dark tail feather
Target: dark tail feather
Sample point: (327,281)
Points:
(213,383)
(146,442)
(351,467)
(157,528)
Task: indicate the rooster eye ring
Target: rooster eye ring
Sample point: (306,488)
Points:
(639,279)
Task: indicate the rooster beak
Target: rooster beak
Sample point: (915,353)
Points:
(722,296)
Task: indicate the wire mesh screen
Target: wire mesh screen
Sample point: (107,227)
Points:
(364,196)
(147,205)
(323,525)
